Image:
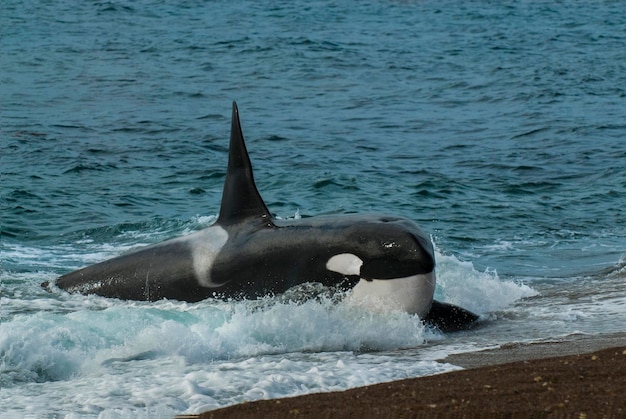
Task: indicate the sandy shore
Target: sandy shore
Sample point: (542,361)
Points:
(586,380)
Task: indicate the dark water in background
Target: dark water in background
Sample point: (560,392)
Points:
(488,123)
(499,126)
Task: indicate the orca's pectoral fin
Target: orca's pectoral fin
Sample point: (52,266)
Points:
(450,318)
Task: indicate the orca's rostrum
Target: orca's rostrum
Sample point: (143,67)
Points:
(386,261)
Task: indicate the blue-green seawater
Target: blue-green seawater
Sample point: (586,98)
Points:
(500,127)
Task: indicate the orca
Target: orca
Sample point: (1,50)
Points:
(383,262)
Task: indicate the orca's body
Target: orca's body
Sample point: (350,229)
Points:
(247,253)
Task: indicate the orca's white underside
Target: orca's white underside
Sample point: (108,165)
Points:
(413,294)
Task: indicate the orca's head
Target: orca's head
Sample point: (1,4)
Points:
(392,260)
(379,247)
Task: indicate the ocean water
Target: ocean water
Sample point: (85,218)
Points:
(500,127)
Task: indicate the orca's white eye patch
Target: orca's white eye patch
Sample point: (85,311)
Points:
(345,264)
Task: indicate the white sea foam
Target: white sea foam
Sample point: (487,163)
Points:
(171,357)
(459,283)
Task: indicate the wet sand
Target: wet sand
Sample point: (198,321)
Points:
(586,380)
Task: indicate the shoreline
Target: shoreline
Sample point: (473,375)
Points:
(518,352)
(584,376)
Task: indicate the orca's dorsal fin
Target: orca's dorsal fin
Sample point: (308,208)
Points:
(241,199)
